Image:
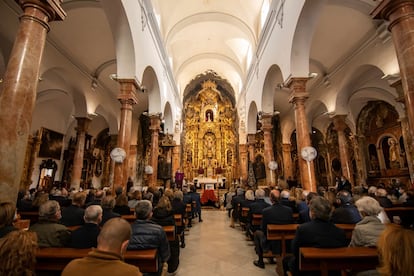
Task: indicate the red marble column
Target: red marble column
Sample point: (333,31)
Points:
(127,98)
(155,127)
(18,96)
(346,166)
(287,160)
(267,127)
(251,142)
(400,14)
(81,130)
(243,162)
(298,99)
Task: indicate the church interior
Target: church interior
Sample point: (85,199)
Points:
(101,93)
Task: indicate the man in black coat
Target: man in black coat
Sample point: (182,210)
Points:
(275,214)
(86,236)
(319,232)
(255,208)
(73,215)
(346,212)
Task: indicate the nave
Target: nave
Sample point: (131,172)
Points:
(214,248)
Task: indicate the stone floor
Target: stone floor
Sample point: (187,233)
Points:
(214,248)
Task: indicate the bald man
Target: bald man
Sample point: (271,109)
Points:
(107,257)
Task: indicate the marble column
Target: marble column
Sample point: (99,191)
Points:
(346,166)
(243,162)
(298,99)
(400,14)
(405,129)
(267,127)
(128,98)
(81,129)
(287,160)
(155,127)
(251,141)
(18,95)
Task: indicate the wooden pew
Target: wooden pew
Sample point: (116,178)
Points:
(178,220)
(130,218)
(55,259)
(348,228)
(257,219)
(282,233)
(285,232)
(170,231)
(33,216)
(325,259)
(404,213)
(22,224)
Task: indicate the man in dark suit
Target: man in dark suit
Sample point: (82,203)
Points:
(275,214)
(346,212)
(319,232)
(86,236)
(73,215)
(255,208)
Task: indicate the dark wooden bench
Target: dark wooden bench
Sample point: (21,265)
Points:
(282,233)
(404,213)
(325,259)
(33,216)
(285,232)
(55,259)
(257,219)
(178,219)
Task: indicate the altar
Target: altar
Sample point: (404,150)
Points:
(208,183)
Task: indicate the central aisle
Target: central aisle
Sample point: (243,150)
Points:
(215,249)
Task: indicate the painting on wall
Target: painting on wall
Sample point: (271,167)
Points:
(51,145)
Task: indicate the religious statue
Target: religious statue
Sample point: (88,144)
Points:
(393,153)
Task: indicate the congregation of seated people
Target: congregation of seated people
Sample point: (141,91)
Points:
(319,216)
(76,219)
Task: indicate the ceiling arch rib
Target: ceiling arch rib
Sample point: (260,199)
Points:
(209,56)
(210,17)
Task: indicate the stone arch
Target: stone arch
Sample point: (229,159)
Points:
(271,86)
(151,84)
(302,39)
(252,118)
(168,119)
(120,26)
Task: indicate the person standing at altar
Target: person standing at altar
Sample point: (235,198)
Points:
(179,178)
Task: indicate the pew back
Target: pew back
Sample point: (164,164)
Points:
(55,259)
(325,259)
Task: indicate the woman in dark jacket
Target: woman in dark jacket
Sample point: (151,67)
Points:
(178,207)
(163,215)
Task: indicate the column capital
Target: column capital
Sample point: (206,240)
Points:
(286,147)
(266,120)
(297,87)
(51,8)
(251,139)
(128,91)
(339,122)
(243,148)
(83,124)
(155,122)
(394,11)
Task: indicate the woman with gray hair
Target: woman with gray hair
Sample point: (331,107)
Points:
(367,231)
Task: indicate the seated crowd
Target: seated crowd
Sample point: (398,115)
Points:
(319,219)
(93,219)
(79,220)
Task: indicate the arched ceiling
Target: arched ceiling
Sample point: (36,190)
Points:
(208,35)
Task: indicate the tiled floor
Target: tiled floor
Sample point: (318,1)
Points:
(215,249)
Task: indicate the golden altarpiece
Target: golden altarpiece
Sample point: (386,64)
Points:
(210,135)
